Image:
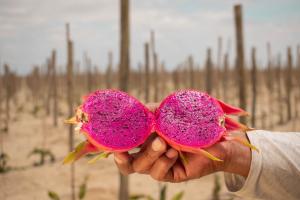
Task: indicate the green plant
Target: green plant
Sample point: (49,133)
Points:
(162,195)
(163,192)
(3,163)
(178,196)
(43,153)
(4,129)
(217,188)
(35,110)
(53,195)
(82,189)
(140,196)
(81,194)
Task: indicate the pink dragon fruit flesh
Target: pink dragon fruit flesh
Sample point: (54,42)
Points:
(191,120)
(112,121)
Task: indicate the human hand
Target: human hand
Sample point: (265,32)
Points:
(162,162)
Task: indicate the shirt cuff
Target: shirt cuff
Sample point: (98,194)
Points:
(246,186)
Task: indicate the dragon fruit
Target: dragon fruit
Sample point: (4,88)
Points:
(112,121)
(191,120)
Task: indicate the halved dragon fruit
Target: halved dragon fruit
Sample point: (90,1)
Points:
(191,120)
(112,121)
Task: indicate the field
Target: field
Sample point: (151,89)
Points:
(33,107)
(29,129)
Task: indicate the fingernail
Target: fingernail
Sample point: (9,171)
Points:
(118,160)
(156,144)
(171,153)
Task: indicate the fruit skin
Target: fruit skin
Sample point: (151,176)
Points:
(200,121)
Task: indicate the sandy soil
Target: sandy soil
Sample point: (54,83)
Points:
(33,183)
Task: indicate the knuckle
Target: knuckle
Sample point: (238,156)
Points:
(156,176)
(162,163)
(150,155)
(139,168)
(177,178)
(189,173)
(160,170)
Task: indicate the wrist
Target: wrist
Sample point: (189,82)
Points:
(238,157)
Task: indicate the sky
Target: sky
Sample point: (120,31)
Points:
(30,29)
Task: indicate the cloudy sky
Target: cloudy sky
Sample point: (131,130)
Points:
(30,29)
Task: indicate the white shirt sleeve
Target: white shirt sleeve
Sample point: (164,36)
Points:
(274,172)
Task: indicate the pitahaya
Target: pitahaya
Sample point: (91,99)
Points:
(191,120)
(112,121)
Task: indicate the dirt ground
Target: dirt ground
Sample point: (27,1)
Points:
(32,183)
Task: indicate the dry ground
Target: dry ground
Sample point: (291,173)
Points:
(28,131)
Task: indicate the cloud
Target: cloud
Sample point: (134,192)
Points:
(31,29)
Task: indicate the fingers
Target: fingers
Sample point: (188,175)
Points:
(152,106)
(146,158)
(179,173)
(161,168)
(123,162)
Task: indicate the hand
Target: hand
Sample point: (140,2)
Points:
(163,164)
